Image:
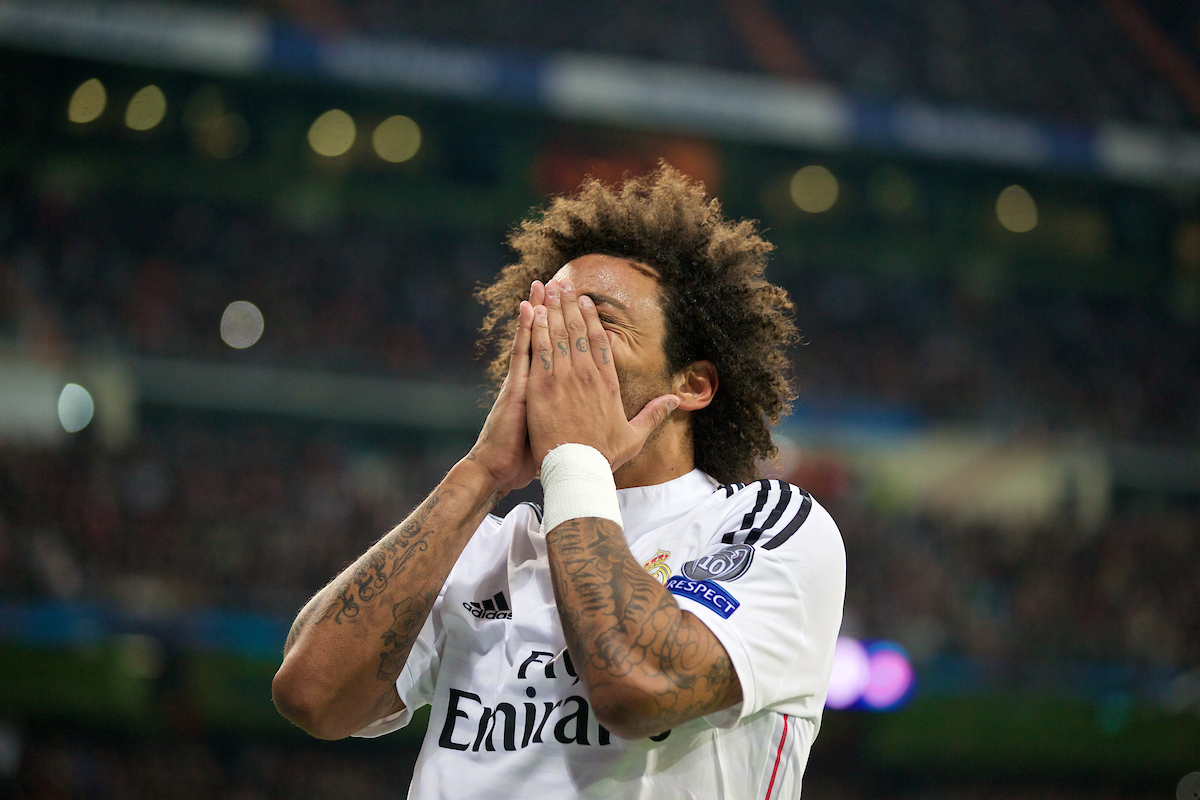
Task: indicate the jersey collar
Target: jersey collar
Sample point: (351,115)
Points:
(645,508)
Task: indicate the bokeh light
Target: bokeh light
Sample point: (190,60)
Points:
(75,407)
(396,139)
(241,324)
(146,108)
(851,671)
(332,133)
(891,676)
(215,131)
(1016,209)
(876,676)
(226,136)
(814,189)
(88,102)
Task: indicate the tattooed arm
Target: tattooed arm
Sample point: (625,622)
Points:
(648,665)
(349,644)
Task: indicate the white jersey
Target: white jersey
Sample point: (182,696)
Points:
(761,565)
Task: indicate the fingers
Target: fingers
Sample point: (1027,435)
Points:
(654,413)
(537,294)
(543,350)
(598,339)
(577,329)
(557,326)
(518,366)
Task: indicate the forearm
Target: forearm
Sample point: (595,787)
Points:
(349,643)
(648,665)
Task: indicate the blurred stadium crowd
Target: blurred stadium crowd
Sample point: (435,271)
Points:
(1053,59)
(147,275)
(260,514)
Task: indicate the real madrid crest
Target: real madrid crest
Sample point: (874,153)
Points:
(657,566)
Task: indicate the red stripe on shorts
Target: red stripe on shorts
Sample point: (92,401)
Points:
(778,758)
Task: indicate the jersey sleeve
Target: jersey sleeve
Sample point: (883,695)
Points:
(770,587)
(417,680)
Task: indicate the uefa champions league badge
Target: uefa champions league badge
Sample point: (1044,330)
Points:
(657,566)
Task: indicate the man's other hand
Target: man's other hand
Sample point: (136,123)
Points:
(503,445)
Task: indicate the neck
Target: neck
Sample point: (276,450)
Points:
(667,455)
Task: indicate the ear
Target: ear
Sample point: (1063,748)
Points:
(695,385)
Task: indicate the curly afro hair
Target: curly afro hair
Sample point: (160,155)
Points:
(716,303)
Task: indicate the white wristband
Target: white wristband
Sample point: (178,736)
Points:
(578,482)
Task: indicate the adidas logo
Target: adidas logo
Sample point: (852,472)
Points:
(495,607)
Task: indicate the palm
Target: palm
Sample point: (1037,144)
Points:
(503,444)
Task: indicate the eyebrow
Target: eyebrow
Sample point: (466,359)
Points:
(598,298)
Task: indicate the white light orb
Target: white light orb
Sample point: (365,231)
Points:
(241,324)
(851,672)
(75,408)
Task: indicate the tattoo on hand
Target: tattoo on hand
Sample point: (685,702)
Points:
(581,344)
(604,355)
(562,348)
(545,361)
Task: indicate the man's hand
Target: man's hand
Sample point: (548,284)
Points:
(503,445)
(573,396)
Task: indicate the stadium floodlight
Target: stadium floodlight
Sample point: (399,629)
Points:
(87,102)
(814,189)
(146,108)
(396,139)
(1016,209)
(332,133)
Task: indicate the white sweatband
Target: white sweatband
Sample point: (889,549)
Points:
(578,482)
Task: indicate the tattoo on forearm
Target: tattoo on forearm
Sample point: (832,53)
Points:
(367,586)
(618,620)
(581,344)
(562,348)
(386,560)
(407,617)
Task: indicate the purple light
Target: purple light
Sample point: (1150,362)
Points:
(891,676)
(875,675)
(851,673)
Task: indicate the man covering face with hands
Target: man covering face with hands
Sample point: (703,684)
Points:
(664,627)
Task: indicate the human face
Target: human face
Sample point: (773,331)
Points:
(627,301)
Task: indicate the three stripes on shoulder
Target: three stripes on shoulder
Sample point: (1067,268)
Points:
(779,511)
